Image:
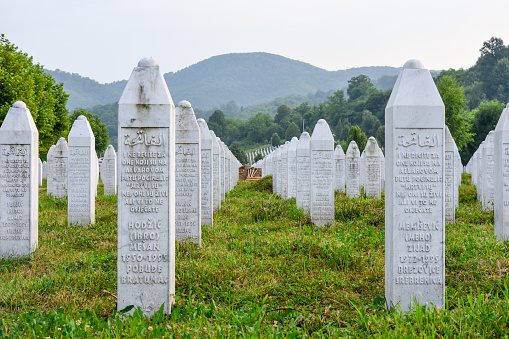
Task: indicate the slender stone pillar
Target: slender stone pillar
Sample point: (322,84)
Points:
(50,186)
(292,168)
(449,178)
(19,197)
(322,175)
(207,208)
(146,201)
(109,171)
(353,171)
(414,197)
(216,172)
(373,169)
(501,148)
(488,185)
(81,176)
(339,175)
(284,171)
(40,172)
(304,172)
(59,179)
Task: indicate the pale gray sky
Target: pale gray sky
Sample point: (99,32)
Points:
(104,39)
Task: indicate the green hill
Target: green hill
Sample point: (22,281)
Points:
(246,78)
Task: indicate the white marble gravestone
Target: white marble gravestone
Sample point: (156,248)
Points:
(223,168)
(49,170)
(339,163)
(449,178)
(292,168)
(216,172)
(60,165)
(501,148)
(44,169)
(81,180)
(19,197)
(278,170)
(40,172)
(207,207)
(353,171)
(303,199)
(488,175)
(146,199)
(414,186)
(284,170)
(479,180)
(109,171)
(187,174)
(373,169)
(322,175)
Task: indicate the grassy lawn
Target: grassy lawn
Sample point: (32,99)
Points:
(263,270)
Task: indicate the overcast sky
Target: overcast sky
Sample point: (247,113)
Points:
(104,39)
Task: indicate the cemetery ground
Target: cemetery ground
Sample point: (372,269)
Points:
(263,270)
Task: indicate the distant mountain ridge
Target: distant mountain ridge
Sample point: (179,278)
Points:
(246,78)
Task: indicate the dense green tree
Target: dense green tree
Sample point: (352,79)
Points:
(370,123)
(358,136)
(292,131)
(22,80)
(455,104)
(283,112)
(217,123)
(239,153)
(380,135)
(342,128)
(485,119)
(275,140)
(358,86)
(99,129)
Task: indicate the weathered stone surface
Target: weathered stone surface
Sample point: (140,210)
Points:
(81,181)
(322,174)
(292,167)
(488,175)
(372,158)
(449,178)
(207,208)
(19,197)
(109,171)
(60,161)
(40,172)
(303,199)
(284,170)
(501,150)
(278,170)
(50,169)
(339,163)
(479,181)
(146,201)
(353,171)
(216,172)
(44,169)
(414,191)
(223,168)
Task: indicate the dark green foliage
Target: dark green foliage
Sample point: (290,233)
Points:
(358,86)
(359,137)
(109,116)
(22,80)
(292,131)
(275,140)
(98,128)
(238,153)
(217,123)
(258,156)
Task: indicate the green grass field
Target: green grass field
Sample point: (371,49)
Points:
(263,270)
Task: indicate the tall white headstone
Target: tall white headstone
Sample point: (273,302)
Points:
(49,171)
(339,175)
(501,148)
(81,180)
(414,203)
(109,171)
(44,169)
(292,168)
(284,170)
(216,172)
(353,170)
(449,178)
(322,175)
(207,208)
(373,169)
(40,172)
(304,172)
(188,174)
(59,178)
(146,201)
(488,175)
(19,198)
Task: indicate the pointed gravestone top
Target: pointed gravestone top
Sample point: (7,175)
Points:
(19,104)
(503,121)
(413,64)
(148,62)
(61,145)
(81,130)
(110,151)
(371,147)
(353,149)
(339,150)
(19,118)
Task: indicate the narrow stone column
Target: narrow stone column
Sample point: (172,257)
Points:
(353,171)
(488,185)
(109,171)
(373,169)
(207,208)
(216,169)
(292,168)
(19,198)
(501,148)
(60,168)
(304,172)
(339,176)
(449,178)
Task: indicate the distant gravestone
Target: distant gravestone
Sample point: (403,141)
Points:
(279,169)
(382,164)
(44,169)
(59,179)
(322,175)
(146,201)
(414,198)
(207,208)
(49,169)
(339,163)
(362,169)
(284,171)
(95,171)
(40,172)
(353,171)
(501,147)
(81,181)
(479,181)
(292,168)
(449,178)
(19,143)
(488,176)
(109,171)
(187,174)
(303,199)
(373,169)
(216,172)
(223,169)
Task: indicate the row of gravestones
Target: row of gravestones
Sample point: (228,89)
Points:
(263,151)
(489,167)
(173,173)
